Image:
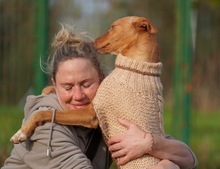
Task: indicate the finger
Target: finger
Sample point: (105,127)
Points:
(114,140)
(122,161)
(119,154)
(115,147)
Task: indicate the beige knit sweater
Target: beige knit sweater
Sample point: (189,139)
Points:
(132,91)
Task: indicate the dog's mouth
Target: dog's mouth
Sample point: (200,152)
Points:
(100,49)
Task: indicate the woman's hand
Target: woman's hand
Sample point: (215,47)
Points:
(134,143)
(166,164)
(130,145)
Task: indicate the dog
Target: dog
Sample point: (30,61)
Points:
(133,90)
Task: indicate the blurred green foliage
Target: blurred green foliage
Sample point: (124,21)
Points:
(18,41)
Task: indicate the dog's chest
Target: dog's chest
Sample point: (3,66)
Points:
(131,96)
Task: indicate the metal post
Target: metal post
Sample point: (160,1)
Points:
(41,37)
(182,73)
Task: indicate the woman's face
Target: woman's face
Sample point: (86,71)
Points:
(76,83)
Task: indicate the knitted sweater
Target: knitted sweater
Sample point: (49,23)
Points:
(132,91)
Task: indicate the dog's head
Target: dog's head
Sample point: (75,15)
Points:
(125,33)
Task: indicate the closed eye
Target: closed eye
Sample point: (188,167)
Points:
(68,88)
(86,85)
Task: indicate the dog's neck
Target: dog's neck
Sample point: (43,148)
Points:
(143,77)
(144,49)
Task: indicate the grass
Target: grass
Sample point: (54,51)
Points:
(204,134)
(204,137)
(10,121)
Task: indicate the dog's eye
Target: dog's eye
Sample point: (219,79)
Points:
(113,26)
(144,26)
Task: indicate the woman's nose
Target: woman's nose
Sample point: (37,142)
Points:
(78,94)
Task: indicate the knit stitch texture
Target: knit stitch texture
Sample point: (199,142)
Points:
(132,91)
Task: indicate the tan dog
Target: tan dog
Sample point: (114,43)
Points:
(132,91)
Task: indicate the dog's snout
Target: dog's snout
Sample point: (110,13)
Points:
(102,48)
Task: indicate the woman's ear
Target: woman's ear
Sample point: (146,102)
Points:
(53,81)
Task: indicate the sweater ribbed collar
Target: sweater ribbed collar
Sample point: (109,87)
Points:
(145,68)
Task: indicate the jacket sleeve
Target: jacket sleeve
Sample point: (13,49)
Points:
(15,161)
(64,149)
(194,156)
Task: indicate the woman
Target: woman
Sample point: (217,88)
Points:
(76,75)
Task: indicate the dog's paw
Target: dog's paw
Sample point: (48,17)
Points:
(18,137)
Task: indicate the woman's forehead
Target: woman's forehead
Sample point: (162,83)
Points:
(76,64)
(77,68)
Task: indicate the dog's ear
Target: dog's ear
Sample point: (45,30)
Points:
(145,25)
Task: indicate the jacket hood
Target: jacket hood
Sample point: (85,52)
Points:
(33,103)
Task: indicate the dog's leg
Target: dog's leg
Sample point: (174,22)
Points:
(47,90)
(80,117)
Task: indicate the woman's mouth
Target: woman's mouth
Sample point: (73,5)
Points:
(79,106)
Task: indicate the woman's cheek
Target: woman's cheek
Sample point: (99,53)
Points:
(65,97)
(92,92)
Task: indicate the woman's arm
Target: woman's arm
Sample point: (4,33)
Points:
(173,150)
(135,143)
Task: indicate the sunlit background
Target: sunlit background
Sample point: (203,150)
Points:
(188,35)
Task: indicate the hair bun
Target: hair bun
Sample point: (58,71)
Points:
(65,36)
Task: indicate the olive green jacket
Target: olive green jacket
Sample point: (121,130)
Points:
(64,150)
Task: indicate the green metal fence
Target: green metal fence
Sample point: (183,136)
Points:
(182,73)
(22,40)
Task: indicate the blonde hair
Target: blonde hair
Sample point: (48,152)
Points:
(69,44)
